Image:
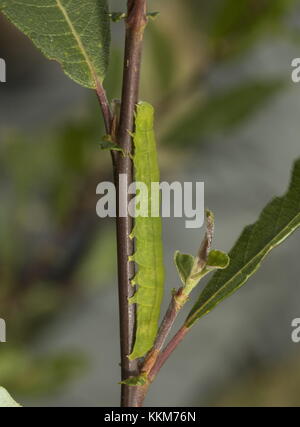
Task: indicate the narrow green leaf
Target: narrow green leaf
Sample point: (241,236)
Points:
(279,219)
(135,381)
(107,144)
(223,111)
(6,401)
(153,15)
(75,33)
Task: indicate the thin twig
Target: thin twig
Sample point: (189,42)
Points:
(179,299)
(107,116)
(157,356)
(166,353)
(177,302)
(135,25)
(161,358)
(104,104)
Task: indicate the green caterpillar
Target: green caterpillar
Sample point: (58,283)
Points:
(148,234)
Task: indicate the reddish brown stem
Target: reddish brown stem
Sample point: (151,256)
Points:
(153,359)
(166,353)
(160,359)
(176,304)
(104,104)
(135,25)
(107,116)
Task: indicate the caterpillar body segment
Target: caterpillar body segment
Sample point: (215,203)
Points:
(148,234)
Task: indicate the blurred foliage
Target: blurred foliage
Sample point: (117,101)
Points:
(222,111)
(233,26)
(34,375)
(275,384)
(52,246)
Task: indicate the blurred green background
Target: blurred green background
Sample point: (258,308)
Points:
(227,113)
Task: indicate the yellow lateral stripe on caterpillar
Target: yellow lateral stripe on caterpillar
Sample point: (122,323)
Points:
(148,234)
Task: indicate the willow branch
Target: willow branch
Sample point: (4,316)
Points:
(166,353)
(135,24)
(177,302)
(104,104)
(160,359)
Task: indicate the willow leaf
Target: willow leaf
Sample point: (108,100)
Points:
(279,219)
(75,33)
